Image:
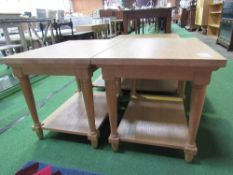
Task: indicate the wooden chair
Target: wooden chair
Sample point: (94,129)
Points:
(58,27)
(60,37)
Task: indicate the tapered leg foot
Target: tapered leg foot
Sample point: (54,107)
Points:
(39,131)
(114,140)
(189,153)
(93,137)
(115,147)
(94,143)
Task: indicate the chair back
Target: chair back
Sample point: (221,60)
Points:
(58,26)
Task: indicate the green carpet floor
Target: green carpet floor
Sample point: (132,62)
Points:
(215,138)
(4,70)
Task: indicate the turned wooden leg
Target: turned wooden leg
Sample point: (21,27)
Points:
(168,25)
(111,92)
(181,89)
(28,95)
(89,104)
(125,24)
(119,87)
(78,81)
(133,88)
(197,101)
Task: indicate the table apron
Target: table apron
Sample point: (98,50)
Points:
(165,73)
(55,70)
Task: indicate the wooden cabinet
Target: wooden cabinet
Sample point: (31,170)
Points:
(202,10)
(215,11)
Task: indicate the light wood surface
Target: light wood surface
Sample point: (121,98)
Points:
(147,58)
(68,58)
(168,59)
(159,35)
(92,27)
(28,95)
(69,52)
(145,85)
(71,117)
(162,51)
(99,29)
(160,123)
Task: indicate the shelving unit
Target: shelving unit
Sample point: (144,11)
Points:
(215,12)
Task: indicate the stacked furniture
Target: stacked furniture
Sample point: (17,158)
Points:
(225,36)
(215,11)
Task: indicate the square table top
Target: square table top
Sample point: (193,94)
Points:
(160,51)
(158,35)
(127,51)
(69,52)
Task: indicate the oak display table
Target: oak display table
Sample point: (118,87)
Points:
(158,122)
(83,113)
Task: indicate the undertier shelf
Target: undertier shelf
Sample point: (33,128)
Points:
(71,117)
(159,123)
(144,85)
(214,25)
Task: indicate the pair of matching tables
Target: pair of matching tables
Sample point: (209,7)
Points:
(153,122)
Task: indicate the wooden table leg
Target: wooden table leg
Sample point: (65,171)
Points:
(111,92)
(119,87)
(133,87)
(28,95)
(197,101)
(125,24)
(89,105)
(181,89)
(78,81)
(168,25)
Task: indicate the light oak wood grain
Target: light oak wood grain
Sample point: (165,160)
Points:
(160,123)
(159,35)
(69,52)
(145,58)
(71,117)
(161,52)
(167,59)
(145,85)
(68,58)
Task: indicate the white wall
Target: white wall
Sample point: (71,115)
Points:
(19,6)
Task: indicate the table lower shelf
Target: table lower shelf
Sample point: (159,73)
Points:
(71,117)
(160,123)
(144,85)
